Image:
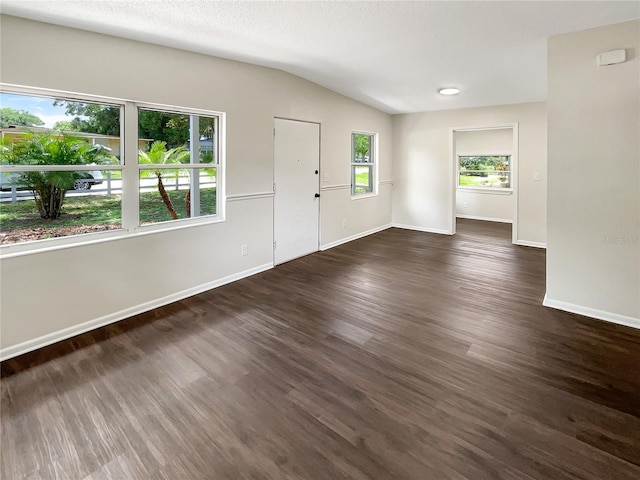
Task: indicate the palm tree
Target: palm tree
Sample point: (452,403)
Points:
(50,187)
(159,155)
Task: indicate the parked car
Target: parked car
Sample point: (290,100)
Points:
(93,177)
(85,182)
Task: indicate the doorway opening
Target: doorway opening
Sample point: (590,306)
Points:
(484,175)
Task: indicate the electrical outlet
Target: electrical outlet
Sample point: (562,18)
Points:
(325,177)
(244,250)
(536,176)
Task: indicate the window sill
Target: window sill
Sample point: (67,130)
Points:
(490,191)
(50,245)
(176,224)
(364,195)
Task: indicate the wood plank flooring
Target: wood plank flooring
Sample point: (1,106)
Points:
(403,355)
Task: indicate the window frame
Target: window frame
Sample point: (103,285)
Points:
(130,169)
(219,216)
(480,188)
(372,164)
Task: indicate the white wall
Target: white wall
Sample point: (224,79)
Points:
(593,257)
(484,205)
(51,294)
(423,182)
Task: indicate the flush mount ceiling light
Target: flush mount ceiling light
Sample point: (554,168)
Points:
(449,91)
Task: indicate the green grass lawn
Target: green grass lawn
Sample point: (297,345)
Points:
(477,181)
(362,182)
(153,209)
(100,210)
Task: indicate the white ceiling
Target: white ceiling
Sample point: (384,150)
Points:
(391,55)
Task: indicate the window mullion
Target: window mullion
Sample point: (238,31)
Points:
(130,173)
(194,157)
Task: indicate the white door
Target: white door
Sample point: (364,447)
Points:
(297,186)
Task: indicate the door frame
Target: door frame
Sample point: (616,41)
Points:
(273,226)
(453,172)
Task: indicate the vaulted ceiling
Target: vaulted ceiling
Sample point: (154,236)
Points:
(390,55)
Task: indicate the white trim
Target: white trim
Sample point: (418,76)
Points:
(130,173)
(485,219)
(169,225)
(486,190)
(48,339)
(249,196)
(51,244)
(169,166)
(515,179)
(87,167)
(497,126)
(476,154)
(344,186)
(163,107)
(527,243)
(49,93)
(453,176)
(12,250)
(439,231)
(354,237)
(360,196)
(592,312)
(386,182)
(296,120)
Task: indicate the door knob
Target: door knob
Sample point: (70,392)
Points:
(317,195)
(316,172)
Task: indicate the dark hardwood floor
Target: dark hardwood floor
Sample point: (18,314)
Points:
(403,355)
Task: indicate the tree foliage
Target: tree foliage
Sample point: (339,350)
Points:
(479,165)
(91,117)
(362,147)
(11,116)
(63,125)
(50,187)
(171,128)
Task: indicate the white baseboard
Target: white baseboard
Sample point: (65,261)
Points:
(592,312)
(485,219)
(422,229)
(526,243)
(329,245)
(48,339)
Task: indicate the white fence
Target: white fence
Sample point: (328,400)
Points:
(113,186)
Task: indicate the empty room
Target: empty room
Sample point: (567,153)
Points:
(319,240)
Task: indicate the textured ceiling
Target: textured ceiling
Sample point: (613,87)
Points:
(391,55)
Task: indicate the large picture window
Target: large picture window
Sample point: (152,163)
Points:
(484,171)
(64,169)
(363,163)
(60,168)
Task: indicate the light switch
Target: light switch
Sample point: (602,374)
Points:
(536,176)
